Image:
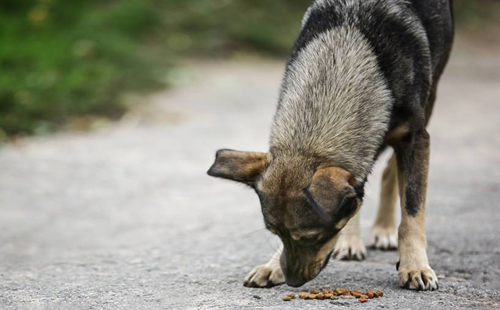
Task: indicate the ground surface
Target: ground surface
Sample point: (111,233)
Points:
(125,217)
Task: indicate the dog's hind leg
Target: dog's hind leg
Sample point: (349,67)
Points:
(384,233)
(349,245)
(267,275)
(413,167)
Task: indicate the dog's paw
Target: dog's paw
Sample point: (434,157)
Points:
(421,279)
(265,276)
(384,238)
(349,247)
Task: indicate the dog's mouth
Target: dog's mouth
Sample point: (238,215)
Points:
(299,281)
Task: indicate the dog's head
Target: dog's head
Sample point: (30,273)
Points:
(305,203)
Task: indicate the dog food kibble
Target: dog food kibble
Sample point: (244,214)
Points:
(341,291)
(335,294)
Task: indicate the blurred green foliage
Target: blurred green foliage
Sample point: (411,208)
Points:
(61,60)
(64,59)
(218,27)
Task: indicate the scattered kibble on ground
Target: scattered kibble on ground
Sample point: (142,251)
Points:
(289,297)
(334,294)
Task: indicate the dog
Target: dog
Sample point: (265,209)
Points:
(362,77)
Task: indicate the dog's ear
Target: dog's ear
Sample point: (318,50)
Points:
(244,167)
(332,195)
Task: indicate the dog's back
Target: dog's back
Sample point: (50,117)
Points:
(353,76)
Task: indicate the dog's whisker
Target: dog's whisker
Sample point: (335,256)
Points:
(254,232)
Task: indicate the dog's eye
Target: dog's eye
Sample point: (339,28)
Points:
(311,239)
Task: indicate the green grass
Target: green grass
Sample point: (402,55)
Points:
(64,60)
(59,61)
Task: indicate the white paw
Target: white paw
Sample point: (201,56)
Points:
(265,276)
(422,279)
(349,247)
(384,238)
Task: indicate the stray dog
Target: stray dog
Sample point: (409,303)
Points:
(362,76)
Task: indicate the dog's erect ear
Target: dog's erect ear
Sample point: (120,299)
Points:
(332,195)
(238,166)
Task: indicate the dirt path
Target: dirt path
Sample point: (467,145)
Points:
(125,218)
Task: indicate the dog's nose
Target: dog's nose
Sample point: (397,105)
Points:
(295,281)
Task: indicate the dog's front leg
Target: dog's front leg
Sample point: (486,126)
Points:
(413,166)
(267,275)
(349,245)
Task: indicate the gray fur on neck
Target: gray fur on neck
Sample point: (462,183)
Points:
(334,103)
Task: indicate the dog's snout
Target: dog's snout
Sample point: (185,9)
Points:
(295,281)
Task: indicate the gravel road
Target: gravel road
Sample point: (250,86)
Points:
(125,217)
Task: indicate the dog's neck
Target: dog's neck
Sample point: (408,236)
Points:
(334,103)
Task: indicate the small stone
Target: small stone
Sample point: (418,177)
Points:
(292,295)
(315,291)
(287,298)
(257,297)
(303,295)
(362,300)
(380,293)
(334,297)
(370,295)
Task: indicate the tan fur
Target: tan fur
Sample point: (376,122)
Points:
(414,269)
(337,176)
(384,230)
(350,244)
(271,271)
(239,166)
(397,134)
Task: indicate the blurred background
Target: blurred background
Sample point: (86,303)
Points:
(75,64)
